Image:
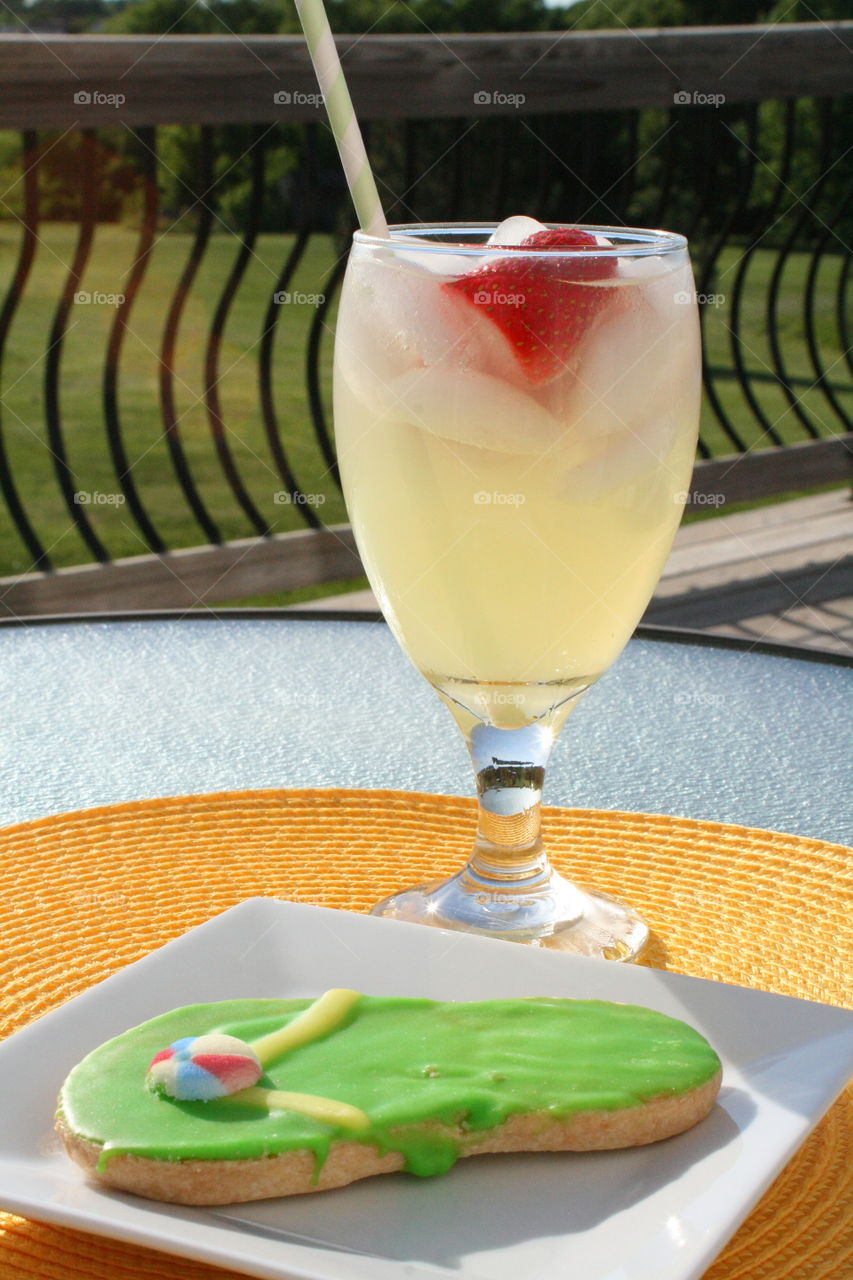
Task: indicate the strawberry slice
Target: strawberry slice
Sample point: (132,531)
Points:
(541,305)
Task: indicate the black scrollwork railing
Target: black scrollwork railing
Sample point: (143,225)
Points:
(171,423)
(17,284)
(121,460)
(65,477)
(759,183)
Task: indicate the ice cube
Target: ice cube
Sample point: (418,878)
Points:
(432,261)
(472,408)
(665,281)
(639,349)
(624,381)
(435,261)
(514,230)
(396,319)
(643,267)
(649,463)
(634,389)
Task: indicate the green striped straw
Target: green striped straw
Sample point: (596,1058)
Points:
(327,65)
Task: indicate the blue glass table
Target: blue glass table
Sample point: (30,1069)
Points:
(102,710)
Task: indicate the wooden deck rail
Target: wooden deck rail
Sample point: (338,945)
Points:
(229,80)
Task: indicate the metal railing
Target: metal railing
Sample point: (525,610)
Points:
(739,137)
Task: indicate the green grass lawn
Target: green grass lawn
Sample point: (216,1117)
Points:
(82,372)
(81,392)
(758,356)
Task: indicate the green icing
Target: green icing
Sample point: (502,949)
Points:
(403,1062)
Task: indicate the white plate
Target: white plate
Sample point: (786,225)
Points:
(654,1213)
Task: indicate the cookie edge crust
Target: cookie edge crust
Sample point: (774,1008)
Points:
(219,1182)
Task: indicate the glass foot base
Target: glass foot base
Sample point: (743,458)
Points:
(556,915)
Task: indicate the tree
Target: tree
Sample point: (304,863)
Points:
(218,17)
(69,16)
(604,14)
(356,16)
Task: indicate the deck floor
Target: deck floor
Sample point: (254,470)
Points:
(782,573)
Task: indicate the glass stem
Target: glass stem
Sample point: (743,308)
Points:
(509,767)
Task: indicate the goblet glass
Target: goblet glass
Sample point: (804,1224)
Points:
(516,410)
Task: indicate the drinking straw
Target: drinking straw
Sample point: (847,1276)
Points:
(347,135)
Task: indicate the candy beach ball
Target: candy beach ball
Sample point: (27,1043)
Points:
(202,1068)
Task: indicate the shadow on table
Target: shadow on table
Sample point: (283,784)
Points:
(486,1203)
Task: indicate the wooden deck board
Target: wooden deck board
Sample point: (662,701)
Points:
(782,573)
(811,561)
(766,517)
(732,545)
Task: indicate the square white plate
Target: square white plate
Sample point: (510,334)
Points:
(652,1213)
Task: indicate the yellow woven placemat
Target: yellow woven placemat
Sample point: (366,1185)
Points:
(83,894)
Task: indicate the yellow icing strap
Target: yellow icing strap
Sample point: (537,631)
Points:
(306,1104)
(317,1020)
